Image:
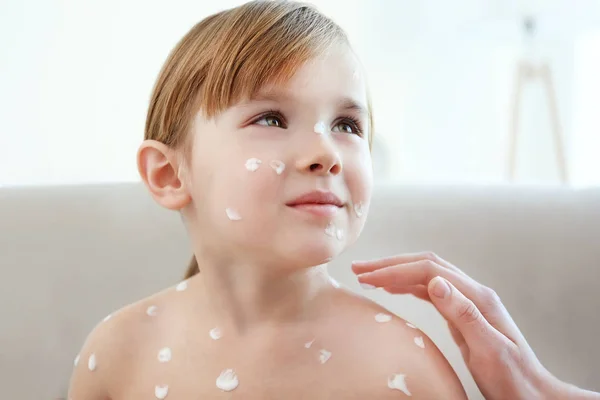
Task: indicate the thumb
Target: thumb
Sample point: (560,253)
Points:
(463,314)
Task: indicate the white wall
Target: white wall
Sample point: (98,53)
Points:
(75,78)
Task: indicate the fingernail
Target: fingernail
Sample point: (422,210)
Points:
(440,287)
(366,286)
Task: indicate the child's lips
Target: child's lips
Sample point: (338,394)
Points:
(318,209)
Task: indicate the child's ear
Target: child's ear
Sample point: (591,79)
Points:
(159,167)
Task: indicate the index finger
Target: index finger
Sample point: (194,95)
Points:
(362,267)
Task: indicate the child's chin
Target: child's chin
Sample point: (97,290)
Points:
(311,254)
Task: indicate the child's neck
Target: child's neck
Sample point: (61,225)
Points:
(246,295)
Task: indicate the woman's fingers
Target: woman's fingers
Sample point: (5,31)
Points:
(465,317)
(415,273)
(403,277)
(361,267)
(419,291)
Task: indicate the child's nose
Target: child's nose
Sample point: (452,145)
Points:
(323,158)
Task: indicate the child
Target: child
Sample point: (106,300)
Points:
(258,133)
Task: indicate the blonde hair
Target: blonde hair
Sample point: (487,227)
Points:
(230,56)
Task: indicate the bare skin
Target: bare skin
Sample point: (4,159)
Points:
(270,359)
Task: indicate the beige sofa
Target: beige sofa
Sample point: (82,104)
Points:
(70,255)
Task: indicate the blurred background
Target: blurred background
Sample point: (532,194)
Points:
(76,77)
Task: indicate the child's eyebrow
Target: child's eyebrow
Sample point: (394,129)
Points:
(345,103)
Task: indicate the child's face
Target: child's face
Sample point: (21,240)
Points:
(256,158)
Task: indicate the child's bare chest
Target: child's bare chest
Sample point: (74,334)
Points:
(281,369)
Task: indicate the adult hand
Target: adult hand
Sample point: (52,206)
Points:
(501,361)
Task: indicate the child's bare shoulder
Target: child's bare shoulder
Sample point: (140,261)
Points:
(112,349)
(397,353)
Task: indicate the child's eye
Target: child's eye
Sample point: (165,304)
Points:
(348,125)
(270,120)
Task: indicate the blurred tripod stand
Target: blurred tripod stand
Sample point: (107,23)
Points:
(526,72)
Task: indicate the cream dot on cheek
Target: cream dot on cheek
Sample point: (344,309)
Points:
(320,128)
(278,166)
(359,209)
(252,164)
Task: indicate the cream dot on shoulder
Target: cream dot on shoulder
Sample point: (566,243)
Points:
(151,311)
(76,361)
(92,364)
(181,286)
(419,342)
(398,382)
(381,317)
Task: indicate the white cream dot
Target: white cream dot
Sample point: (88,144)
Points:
(411,325)
(92,362)
(76,361)
(278,166)
(151,311)
(215,333)
(232,214)
(419,342)
(398,382)
(339,234)
(161,391)
(227,381)
(107,318)
(320,127)
(181,286)
(381,317)
(330,229)
(324,355)
(358,209)
(252,164)
(164,355)
(308,344)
